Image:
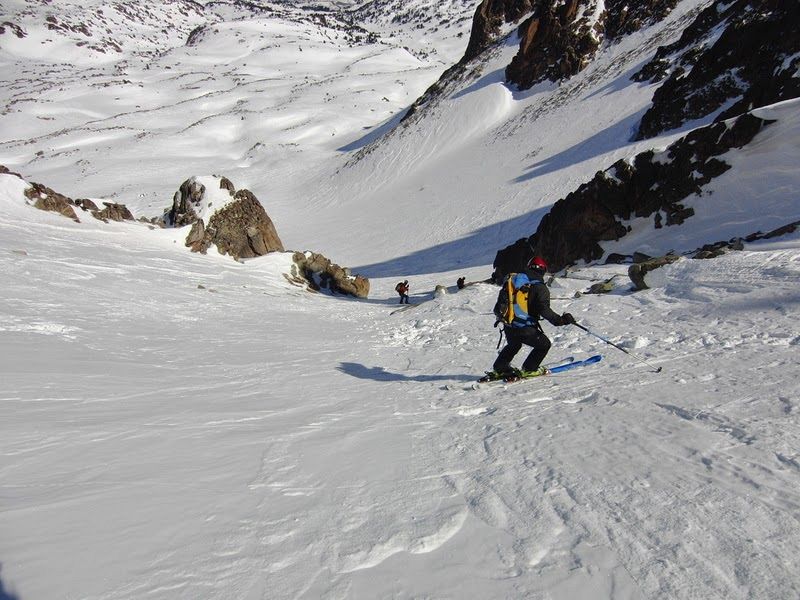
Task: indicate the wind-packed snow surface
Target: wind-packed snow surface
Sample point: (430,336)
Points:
(175,425)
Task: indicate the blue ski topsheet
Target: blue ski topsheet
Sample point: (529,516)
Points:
(577,363)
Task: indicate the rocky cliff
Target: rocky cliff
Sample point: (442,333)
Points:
(735,56)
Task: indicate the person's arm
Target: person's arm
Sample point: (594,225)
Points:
(541,305)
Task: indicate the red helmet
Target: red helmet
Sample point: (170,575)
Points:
(537,262)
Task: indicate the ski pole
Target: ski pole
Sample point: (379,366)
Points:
(628,352)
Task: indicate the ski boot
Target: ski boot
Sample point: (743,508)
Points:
(522,374)
(491,376)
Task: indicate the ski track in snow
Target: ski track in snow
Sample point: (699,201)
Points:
(617,509)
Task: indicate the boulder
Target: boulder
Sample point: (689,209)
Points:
(638,272)
(185,204)
(236,221)
(784,230)
(44,198)
(196,236)
(86,205)
(617,259)
(243,229)
(320,273)
(113,212)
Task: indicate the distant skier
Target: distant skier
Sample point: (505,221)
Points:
(530,290)
(460,283)
(402,289)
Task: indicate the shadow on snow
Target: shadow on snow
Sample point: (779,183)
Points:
(380,374)
(607,140)
(4,593)
(477,249)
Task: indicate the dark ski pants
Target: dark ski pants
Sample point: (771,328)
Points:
(515,338)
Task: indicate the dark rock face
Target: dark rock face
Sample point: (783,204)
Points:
(321,274)
(624,17)
(512,259)
(650,185)
(557,39)
(554,44)
(185,204)
(753,62)
(560,38)
(489,16)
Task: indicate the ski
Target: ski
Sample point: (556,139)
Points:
(578,363)
(565,361)
(565,366)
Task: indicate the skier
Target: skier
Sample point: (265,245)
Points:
(402,289)
(530,332)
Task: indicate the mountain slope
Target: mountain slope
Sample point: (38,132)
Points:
(175,425)
(188,425)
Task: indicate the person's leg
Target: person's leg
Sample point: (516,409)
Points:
(541,346)
(513,344)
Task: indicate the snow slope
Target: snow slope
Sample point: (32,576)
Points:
(175,425)
(248,440)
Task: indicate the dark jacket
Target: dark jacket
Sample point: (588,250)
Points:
(539,299)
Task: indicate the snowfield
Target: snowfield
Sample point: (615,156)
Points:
(251,440)
(176,425)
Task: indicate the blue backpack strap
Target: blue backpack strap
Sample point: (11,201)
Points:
(520,279)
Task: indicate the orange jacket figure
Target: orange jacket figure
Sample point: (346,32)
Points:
(402,289)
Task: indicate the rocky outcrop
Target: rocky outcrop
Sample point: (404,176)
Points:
(734,57)
(187,202)
(237,222)
(512,259)
(561,37)
(44,198)
(651,185)
(639,272)
(112,212)
(624,17)
(555,43)
(487,21)
(8,26)
(558,38)
(319,273)
(243,229)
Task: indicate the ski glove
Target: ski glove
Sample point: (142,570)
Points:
(567,319)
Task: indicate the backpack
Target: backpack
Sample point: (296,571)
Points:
(401,287)
(511,307)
